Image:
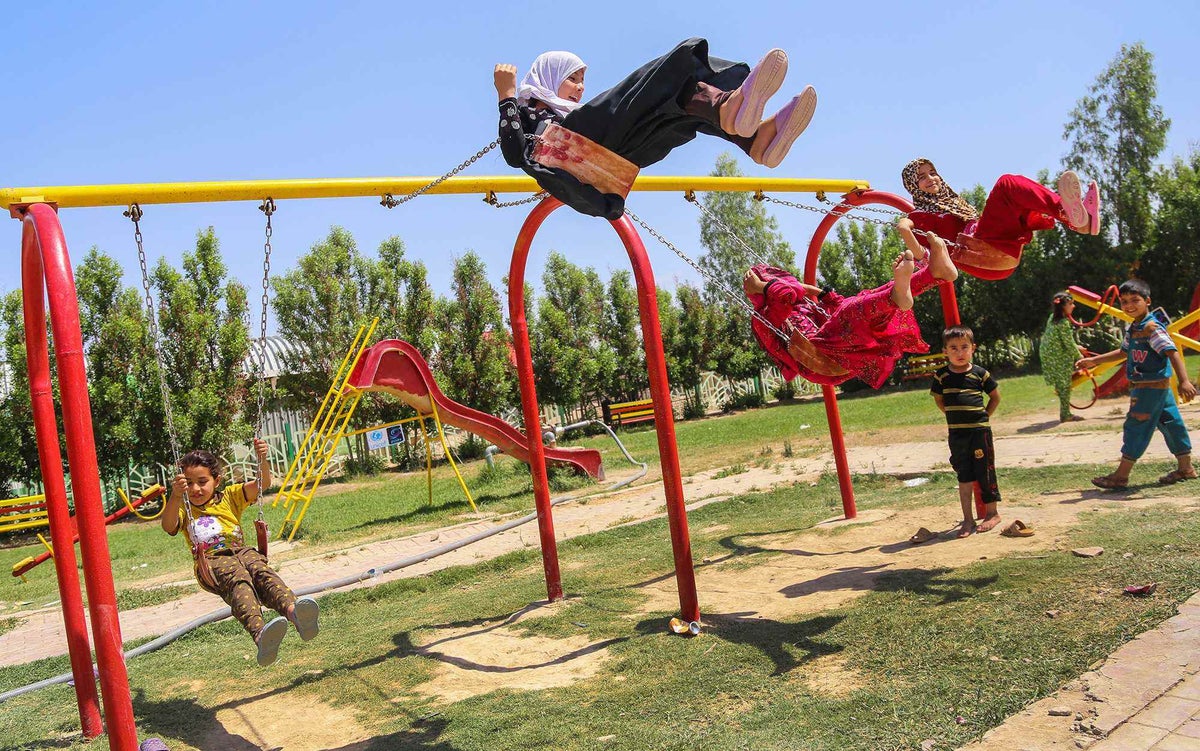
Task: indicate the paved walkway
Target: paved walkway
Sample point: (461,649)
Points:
(1146,696)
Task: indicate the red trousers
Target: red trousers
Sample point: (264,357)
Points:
(1016,207)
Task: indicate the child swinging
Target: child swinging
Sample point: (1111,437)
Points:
(990,245)
(658,107)
(224,565)
(830,338)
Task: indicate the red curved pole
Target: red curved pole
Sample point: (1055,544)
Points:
(660,392)
(829,394)
(44,261)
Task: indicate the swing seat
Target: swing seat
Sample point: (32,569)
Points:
(805,352)
(585,160)
(982,259)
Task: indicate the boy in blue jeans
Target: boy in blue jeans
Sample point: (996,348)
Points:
(1149,355)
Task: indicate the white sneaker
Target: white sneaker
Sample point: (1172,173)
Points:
(762,83)
(790,122)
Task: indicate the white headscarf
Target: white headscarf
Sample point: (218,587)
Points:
(547,73)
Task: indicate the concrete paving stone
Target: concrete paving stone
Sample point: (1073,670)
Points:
(1176,743)
(1189,729)
(1131,736)
(1169,712)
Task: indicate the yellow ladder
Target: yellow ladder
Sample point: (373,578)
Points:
(320,442)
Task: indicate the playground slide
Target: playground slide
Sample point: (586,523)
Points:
(20,568)
(396,367)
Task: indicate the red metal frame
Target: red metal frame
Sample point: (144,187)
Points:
(829,394)
(46,277)
(660,392)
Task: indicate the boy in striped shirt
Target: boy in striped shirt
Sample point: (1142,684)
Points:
(958,390)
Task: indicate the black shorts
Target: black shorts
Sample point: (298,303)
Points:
(974,460)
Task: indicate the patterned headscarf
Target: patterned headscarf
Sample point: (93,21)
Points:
(545,75)
(945,201)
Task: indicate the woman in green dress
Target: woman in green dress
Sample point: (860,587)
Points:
(1059,351)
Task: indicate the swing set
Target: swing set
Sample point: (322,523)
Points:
(46,266)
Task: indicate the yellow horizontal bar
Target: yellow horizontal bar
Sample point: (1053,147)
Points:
(72,196)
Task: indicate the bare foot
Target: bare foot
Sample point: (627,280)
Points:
(989,523)
(940,264)
(762,139)
(902,271)
(966,530)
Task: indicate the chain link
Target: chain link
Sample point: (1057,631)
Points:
(738,299)
(260,362)
(818,210)
(691,197)
(391,202)
(135,215)
(491,200)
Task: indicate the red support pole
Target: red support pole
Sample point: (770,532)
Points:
(44,255)
(529,402)
(664,419)
(45,423)
(949,312)
(660,391)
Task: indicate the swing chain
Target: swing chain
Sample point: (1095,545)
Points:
(268,208)
(135,215)
(391,202)
(881,222)
(491,200)
(691,198)
(739,299)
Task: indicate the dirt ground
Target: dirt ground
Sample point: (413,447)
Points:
(818,571)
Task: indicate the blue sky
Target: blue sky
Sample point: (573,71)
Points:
(121,92)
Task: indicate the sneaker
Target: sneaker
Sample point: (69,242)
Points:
(1070,191)
(790,122)
(762,83)
(269,640)
(305,618)
(1091,203)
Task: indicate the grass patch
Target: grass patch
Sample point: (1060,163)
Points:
(128,599)
(923,646)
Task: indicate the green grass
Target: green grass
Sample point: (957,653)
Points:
(395,504)
(915,652)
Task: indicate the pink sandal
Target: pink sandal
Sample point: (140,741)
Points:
(1091,204)
(790,122)
(1070,192)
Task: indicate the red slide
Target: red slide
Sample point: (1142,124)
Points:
(396,367)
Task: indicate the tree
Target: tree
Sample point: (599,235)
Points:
(18,444)
(1172,266)
(694,347)
(204,343)
(860,258)
(725,261)
(568,362)
(473,349)
(1116,133)
(119,366)
(620,330)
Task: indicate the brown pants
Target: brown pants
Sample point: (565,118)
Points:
(246,583)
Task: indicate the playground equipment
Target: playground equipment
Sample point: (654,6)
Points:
(1117,383)
(45,261)
(329,428)
(24,512)
(152,493)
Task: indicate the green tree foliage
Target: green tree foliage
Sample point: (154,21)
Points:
(570,364)
(1172,265)
(1116,133)
(202,324)
(18,445)
(473,349)
(693,348)
(860,258)
(397,290)
(121,375)
(621,332)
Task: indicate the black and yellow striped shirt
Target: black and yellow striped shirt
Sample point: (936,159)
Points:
(963,396)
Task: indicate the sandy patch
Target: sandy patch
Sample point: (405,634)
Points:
(272,723)
(477,660)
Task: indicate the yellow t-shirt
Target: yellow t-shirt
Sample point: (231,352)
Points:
(218,525)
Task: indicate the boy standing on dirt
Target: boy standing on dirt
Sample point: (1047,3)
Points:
(958,390)
(1149,354)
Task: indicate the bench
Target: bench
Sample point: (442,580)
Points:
(23,513)
(920,366)
(628,413)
